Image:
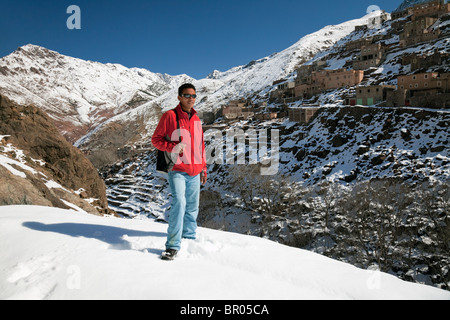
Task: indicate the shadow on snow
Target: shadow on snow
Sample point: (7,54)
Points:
(116,237)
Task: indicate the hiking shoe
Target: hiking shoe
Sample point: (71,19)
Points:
(169,254)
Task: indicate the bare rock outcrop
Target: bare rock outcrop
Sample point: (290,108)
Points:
(31,130)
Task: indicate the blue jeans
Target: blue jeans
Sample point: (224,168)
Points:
(184,212)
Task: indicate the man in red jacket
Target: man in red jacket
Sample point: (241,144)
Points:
(184,145)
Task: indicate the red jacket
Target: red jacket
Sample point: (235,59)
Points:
(166,136)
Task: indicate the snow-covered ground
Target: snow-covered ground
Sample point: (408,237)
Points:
(49,253)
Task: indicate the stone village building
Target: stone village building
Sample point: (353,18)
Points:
(416,26)
(371,55)
(303,114)
(428,90)
(419,61)
(435,8)
(235,109)
(304,73)
(284,90)
(373,95)
(419,30)
(429,81)
(245,109)
(324,80)
(418,22)
(357,44)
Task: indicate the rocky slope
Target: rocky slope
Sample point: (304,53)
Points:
(359,143)
(347,145)
(38,166)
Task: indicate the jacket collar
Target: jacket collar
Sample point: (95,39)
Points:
(181,112)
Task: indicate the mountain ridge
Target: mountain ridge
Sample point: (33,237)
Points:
(79,95)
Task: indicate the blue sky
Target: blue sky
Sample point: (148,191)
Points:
(173,36)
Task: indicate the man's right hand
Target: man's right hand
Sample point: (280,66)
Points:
(179,148)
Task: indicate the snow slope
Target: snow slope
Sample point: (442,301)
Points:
(50,253)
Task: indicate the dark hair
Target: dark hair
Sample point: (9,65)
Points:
(184,87)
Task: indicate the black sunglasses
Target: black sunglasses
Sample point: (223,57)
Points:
(187,96)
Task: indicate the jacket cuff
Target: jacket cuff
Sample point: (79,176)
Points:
(170,146)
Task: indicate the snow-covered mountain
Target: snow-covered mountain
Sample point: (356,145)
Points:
(255,78)
(79,95)
(87,98)
(54,254)
(260,74)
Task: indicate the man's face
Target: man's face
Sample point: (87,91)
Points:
(187,103)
